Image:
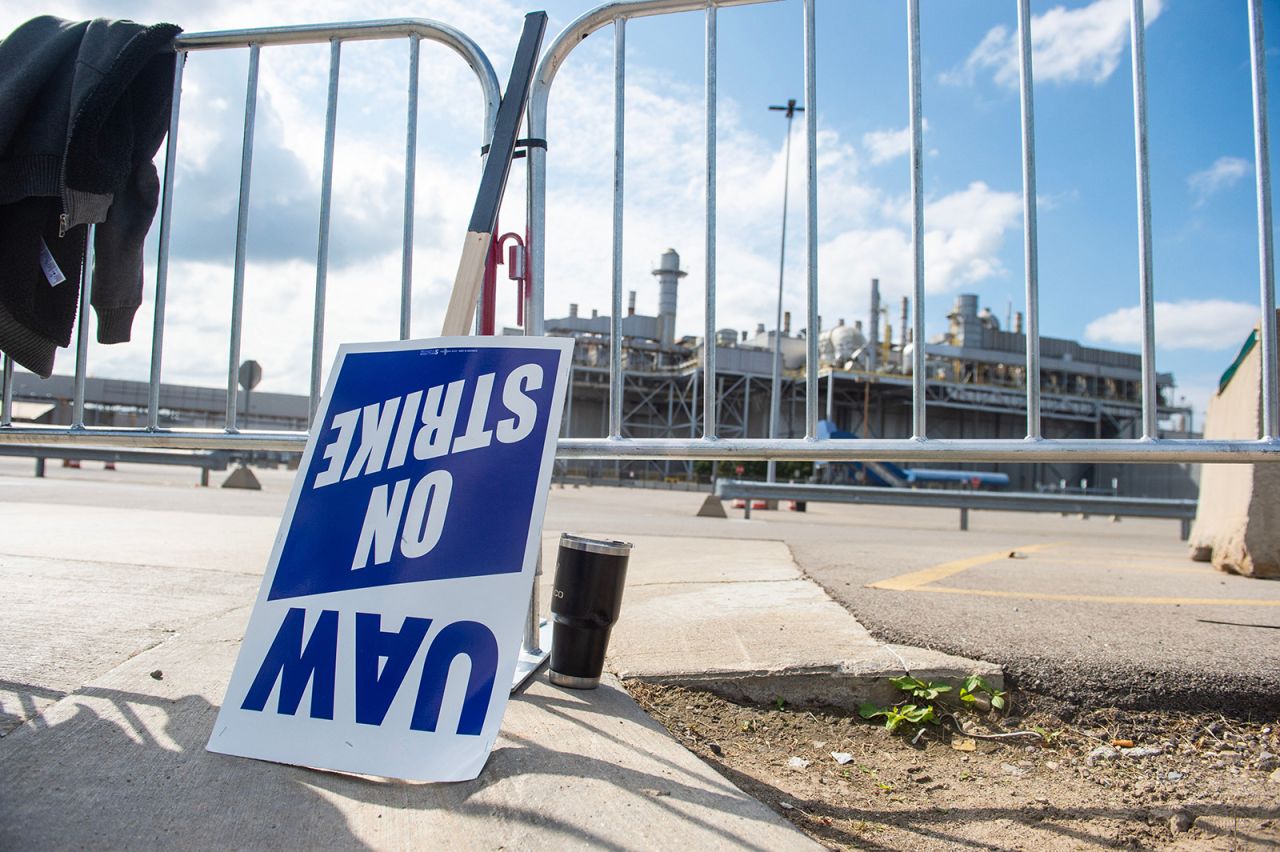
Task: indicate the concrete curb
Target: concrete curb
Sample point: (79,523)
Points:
(844,686)
(740,619)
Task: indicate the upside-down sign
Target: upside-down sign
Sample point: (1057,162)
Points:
(387,630)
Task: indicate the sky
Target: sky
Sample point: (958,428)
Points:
(1204,228)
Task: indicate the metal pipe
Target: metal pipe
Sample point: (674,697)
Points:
(619,151)
(410,189)
(326,209)
(82,330)
(454,39)
(162,254)
(963,500)
(604,15)
(1013,450)
(1030,239)
(742,449)
(811,160)
(1146,292)
(6,392)
(242,233)
(533,619)
(709,344)
(831,395)
(536,204)
(775,384)
(1266,256)
(918,425)
(693,405)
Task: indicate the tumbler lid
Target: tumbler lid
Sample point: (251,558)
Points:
(605,546)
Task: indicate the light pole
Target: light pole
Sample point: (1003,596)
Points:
(775,390)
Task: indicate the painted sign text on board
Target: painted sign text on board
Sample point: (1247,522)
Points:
(389,622)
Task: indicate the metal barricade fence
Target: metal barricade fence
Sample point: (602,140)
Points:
(1034,447)
(230,436)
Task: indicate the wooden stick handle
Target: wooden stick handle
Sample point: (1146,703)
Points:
(460,316)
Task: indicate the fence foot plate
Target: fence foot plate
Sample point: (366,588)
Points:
(531,660)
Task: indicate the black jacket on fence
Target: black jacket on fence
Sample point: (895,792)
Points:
(83,109)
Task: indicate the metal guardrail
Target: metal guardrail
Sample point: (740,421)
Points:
(1034,447)
(206,461)
(966,501)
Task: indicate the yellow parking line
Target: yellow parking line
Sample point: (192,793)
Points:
(1122,599)
(916,579)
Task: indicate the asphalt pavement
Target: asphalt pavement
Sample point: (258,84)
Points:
(1088,611)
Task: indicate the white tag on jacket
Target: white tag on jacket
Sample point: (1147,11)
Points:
(50,266)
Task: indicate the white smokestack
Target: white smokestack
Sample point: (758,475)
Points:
(668,274)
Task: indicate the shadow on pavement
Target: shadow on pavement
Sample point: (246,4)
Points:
(127,769)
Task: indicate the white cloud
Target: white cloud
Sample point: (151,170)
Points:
(862,232)
(964,234)
(886,145)
(1223,174)
(1210,324)
(1067,45)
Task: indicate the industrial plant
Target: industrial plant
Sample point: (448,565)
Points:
(976,387)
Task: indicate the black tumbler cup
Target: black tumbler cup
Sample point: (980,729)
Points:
(585,602)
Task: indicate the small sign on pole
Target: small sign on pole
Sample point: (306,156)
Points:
(388,626)
(250,374)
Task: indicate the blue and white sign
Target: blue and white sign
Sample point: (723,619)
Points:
(388,626)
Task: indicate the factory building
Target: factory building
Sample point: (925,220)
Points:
(976,387)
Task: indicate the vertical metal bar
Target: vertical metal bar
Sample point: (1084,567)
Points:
(162,256)
(536,202)
(410,180)
(831,395)
(242,233)
(709,425)
(82,330)
(1146,294)
(693,406)
(775,384)
(6,395)
(1266,258)
(615,335)
(811,159)
(326,209)
(918,425)
(533,620)
(1031,251)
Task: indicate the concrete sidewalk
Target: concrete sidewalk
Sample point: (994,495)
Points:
(125,605)
(739,618)
(120,763)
